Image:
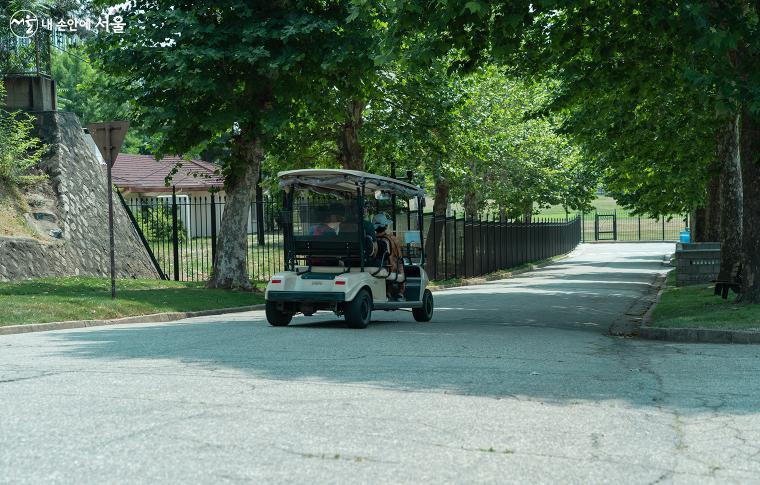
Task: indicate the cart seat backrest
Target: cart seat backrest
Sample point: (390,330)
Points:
(329,245)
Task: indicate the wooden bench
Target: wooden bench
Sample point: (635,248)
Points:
(733,283)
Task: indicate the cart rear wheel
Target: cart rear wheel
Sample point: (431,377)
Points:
(275,316)
(425,313)
(359,310)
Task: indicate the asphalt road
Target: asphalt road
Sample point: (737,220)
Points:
(513,381)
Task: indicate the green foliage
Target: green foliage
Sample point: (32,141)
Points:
(200,71)
(83,90)
(642,83)
(156,224)
(19,150)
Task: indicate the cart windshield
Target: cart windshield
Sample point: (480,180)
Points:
(325,217)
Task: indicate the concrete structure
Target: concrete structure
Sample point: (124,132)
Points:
(30,93)
(697,263)
(75,210)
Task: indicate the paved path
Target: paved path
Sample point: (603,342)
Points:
(513,381)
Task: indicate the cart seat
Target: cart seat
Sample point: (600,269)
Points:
(329,250)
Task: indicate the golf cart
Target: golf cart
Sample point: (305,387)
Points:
(335,261)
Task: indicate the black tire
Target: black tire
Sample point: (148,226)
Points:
(424,314)
(275,317)
(359,310)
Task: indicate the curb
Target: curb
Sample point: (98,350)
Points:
(700,335)
(151,318)
(693,335)
(641,309)
(498,275)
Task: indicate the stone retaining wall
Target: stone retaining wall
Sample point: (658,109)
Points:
(80,187)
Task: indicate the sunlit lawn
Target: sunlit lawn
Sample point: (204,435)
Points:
(60,299)
(195,259)
(697,307)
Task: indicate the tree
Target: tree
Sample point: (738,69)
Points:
(85,91)
(709,48)
(201,70)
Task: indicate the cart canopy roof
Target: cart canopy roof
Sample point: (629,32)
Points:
(346,181)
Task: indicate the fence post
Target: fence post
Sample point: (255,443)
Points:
(456,258)
(259,212)
(175,234)
(596,226)
(436,242)
(480,242)
(639,228)
(464,243)
(501,240)
(445,246)
(213,229)
(663,228)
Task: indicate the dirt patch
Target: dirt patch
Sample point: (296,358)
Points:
(29,212)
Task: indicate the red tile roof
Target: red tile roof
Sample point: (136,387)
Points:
(143,173)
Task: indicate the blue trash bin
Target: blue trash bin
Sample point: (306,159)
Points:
(685,237)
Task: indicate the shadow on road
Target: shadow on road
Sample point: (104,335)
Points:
(537,337)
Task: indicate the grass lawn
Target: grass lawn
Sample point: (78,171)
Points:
(59,299)
(602,203)
(697,307)
(195,259)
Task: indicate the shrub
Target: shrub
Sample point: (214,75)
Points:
(156,223)
(19,150)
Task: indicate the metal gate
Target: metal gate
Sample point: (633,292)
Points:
(605,226)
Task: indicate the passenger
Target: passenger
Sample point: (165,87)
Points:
(322,227)
(336,217)
(395,259)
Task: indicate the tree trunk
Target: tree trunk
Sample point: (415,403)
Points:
(712,209)
(728,156)
(435,231)
(230,269)
(471,204)
(350,151)
(750,146)
(527,211)
(698,225)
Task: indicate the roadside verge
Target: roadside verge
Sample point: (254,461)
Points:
(172,316)
(151,318)
(694,305)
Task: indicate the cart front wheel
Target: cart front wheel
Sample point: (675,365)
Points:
(425,313)
(359,310)
(275,316)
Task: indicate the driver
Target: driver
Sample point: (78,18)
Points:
(395,260)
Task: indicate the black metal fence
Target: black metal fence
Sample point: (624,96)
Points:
(25,56)
(620,226)
(470,247)
(182,230)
